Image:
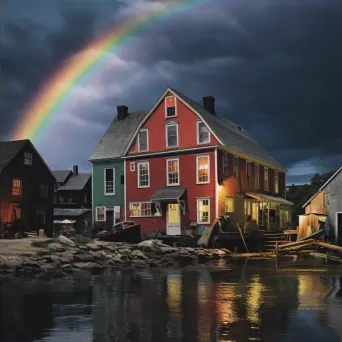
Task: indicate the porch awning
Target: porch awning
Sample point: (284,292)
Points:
(268,198)
(167,194)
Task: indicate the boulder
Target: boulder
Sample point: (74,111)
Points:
(32,264)
(83,257)
(110,248)
(63,240)
(93,247)
(139,255)
(67,268)
(10,262)
(56,247)
(55,258)
(87,266)
(67,258)
(48,267)
(139,263)
(83,248)
(99,255)
(150,245)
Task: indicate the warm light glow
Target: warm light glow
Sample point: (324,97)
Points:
(311,292)
(174,293)
(254,300)
(226,295)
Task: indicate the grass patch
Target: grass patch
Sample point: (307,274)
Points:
(42,243)
(81,240)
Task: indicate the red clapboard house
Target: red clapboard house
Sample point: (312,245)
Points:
(185,166)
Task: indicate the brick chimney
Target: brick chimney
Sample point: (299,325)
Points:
(209,104)
(122,112)
(75,170)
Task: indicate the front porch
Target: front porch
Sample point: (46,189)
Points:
(269,213)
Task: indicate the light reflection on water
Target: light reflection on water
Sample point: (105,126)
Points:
(243,302)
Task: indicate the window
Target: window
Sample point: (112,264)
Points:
(202,169)
(109,176)
(43,190)
(225,165)
(257,178)
(16,187)
(266,187)
(203,210)
(172,169)
(132,166)
(28,158)
(248,208)
(15,212)
(143,140)
(248,172)
(122,178)
(203,134)
(101,214)
(143,175)
(229,205)
(85,198)
(172,135)
(61,199)
(170,107)
(236,167)
(54,198)
(140,209)
(41,215)
(276,182)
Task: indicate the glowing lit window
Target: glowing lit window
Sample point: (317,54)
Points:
(16,187)
(203,210)
(172,171)
(203,169)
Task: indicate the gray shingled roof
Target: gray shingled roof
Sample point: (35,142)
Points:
(230,135)
(9,149)
(167,194)
(118,135)
(61,175)
(76,182)
(69,212)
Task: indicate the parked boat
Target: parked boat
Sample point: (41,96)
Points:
(126,231)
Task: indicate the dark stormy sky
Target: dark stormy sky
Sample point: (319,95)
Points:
(274,67)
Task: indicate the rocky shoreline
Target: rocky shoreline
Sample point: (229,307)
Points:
(64,257)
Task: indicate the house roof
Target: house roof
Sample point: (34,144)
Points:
(228,134)
(322,187)
(8,150)
(76,182)
(69,212)
(115,140)
(268,198)
(61,175)
(167,194)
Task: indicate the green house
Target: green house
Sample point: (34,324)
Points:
(108,181)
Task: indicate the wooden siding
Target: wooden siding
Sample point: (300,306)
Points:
(317,205)
(187,175)
(187,129)
(32,176)
(99,198)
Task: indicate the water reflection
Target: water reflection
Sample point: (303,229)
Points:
(247,302)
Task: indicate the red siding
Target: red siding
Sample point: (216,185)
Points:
(187,129)
(187,166)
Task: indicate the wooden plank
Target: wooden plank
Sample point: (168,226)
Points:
(205,237)
(328,246)
(243,239)
(293,244)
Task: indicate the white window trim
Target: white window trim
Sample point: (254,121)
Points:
(237,168)
(132,169)
(147,139)
(167,172)
(165,106)
(268,179)
(149,177)
(197,157)
(166,136)
(257,176)
(276,182)
(201,199)
(141,202)
(28,156)
(197,125)
(96,215)
(104,181)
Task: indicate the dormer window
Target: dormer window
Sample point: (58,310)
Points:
(143,140)
(170,107)
(203,134)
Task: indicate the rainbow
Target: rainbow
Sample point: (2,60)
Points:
(56,92)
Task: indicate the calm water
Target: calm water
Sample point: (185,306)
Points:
(243,301)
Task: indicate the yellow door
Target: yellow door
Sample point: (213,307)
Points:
(173,219)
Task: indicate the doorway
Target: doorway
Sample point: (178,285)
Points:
(339,228)
(173,224)
(109,219)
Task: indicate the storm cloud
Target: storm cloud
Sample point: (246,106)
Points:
(273,66)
